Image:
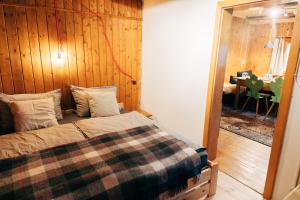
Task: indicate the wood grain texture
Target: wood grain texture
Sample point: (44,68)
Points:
(243,159)
(30,44)
(246,50)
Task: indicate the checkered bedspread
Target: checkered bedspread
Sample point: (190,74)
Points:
(138,163)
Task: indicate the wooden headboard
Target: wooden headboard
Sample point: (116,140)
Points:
(31,32)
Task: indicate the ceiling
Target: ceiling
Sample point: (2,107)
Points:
(284,10)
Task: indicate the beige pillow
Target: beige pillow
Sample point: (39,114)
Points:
(81,98)
(103,104)
(6,119)
(33,114)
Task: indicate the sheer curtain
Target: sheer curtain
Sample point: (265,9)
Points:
(279,58)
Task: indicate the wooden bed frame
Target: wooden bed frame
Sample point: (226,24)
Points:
(199,188)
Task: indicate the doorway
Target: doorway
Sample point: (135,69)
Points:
(225,17)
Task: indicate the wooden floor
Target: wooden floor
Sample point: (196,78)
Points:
(243,159)
(230,189)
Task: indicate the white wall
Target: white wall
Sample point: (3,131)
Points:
(290,156)
(177,42)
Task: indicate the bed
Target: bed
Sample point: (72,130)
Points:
(104,158)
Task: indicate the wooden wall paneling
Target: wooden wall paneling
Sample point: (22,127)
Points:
(70,28)
(86,26)
(44,48)
(139,63)
(29,59)
(139,8)
(122,86)
(114,5)
(14,49)
(134,48)
(128,63)
(108,7)
(5,66)
(35,50)
(57,65)
(1,87)
(258,57)
(247,44)
(116,51)
(25,50)
(102,46)
(101,6)
(94,44)
(109,61)
(80,59)
(238,47)
(65,70)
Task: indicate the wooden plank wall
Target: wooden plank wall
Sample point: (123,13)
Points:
(29,46)
(246,48)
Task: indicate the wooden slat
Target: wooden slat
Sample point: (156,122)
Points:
(86,27)
(134,63)
(128,65)
(103,51)
(116,51)
(122,84)
(5,67)
(14,49)
(138,68)
(57,65)
(65,71)
(94,44)
(71,45)
(109,60)
(35,50)
(79,45)
(25,50)
(44,48)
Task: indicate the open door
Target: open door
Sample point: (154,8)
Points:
(214,97)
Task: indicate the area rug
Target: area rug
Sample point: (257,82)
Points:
(247,125)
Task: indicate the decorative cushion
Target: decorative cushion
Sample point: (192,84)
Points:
(103,104)
(6,119)
(81,98)
(33,114)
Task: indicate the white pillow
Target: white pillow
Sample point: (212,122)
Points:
(81,98)
(6,119)
(33,114)
(103,104)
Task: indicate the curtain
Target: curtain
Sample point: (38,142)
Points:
(279,57)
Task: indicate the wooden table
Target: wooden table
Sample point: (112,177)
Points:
(241,81)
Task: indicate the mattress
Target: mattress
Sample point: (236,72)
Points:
(98,126)
(31,143)
(73,128)
(22,143)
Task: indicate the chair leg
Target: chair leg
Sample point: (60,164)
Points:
(267,104)
(246,102)
(257,107)
(270,109)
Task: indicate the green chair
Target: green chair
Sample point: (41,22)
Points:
(276,88)
(254,86)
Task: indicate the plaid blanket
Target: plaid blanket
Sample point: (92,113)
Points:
(139,163)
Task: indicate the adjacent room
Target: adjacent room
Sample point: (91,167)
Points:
(149,99)
(257,58)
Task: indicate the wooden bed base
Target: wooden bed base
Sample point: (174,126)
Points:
(202,188)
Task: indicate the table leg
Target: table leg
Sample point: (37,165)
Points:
(237,94)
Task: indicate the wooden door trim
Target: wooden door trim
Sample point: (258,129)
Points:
(210,138)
